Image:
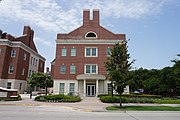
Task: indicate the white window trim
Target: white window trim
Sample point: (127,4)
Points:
(13,54)
(91,52)
(74,70)
(91,37)
(75,51)
(65,69)
(62,52)
(107,52)
(10,69)
(91,69)
(23,71)
(25,56)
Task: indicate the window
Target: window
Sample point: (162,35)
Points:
(20,86)
(8,85)
(91,52)
(91,69)
(73,52)
(72,69)
(108,51)
(63,52)
(13,53)
(29,73)
(63,69)
(0,50)
(71,88)
(109,88)
(25,55)
(11,69)
(31,60)
(91,35)
(36,63)
(61,89)
(23,70)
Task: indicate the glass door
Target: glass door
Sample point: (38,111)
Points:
(91,90)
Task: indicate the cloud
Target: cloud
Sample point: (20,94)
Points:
(45,42)
(66,15)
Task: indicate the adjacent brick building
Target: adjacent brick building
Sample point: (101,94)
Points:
(80,55)
(19,58)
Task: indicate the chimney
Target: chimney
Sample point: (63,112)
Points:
(26,30)
(96,16)
(86,16)
(30,34)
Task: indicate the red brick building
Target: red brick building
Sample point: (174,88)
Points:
(80,55)
(19,58)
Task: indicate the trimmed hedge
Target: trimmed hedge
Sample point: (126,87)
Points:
(115,99)
(135,96)
(11,99)
(58,98)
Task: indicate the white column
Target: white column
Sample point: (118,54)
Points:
(84,88)
(97,87)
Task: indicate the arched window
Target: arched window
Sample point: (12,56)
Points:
(91,35)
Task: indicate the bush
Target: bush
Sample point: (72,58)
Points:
(135,96)
(110,99)
(58,98)
(11,99)
(115,99)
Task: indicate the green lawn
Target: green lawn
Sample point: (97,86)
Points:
(145,108)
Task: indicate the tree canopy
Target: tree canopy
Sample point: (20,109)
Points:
(118,67)
(40,80)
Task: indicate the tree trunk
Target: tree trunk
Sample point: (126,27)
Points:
(120,101)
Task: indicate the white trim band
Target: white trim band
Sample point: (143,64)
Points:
(88,41)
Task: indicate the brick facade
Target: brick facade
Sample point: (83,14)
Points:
(90,35)
(24,48)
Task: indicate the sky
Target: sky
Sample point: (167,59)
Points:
(153,26)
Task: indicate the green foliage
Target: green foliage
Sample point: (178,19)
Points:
(58,98)
(136,96)
(118,68)
(11,99)
(40,80)
(164,82)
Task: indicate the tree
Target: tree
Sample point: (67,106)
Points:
(40,80)
(118,68)
(176,70)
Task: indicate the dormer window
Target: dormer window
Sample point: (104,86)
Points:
(91,35)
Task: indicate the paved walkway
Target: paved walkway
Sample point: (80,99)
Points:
(88,104)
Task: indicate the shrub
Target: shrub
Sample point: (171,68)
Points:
(135,96)
(110,99)
(58,98)
(12,98)
(115,99)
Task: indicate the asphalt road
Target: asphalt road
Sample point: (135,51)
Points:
(65,113)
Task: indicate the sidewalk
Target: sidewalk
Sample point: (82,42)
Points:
(88,104)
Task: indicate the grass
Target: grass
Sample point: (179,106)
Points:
(144,108)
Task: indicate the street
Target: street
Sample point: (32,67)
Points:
(44,112)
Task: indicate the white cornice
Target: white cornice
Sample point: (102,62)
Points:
(88,41)
(20,45)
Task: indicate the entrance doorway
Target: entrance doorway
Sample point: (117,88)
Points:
(91,90)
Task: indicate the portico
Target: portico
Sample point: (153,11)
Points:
(91,85)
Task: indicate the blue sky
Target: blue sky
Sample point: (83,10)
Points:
(153,26)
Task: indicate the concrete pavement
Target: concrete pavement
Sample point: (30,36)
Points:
(88,104)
